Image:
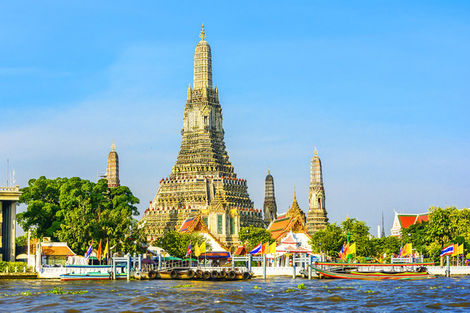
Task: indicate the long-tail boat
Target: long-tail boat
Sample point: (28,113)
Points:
(374,275)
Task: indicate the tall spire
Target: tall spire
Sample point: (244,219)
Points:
(112,168)
(202,63)
(317,216)
(270,207)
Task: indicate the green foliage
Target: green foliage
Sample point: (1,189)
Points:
(21,243)
(251,236)
(329,240)
(78,211)
(176,243)
(11,266)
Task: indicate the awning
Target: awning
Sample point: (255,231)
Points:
(215,255)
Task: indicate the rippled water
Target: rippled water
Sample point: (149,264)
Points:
(275,295)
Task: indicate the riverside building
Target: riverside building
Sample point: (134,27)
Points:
(202,181)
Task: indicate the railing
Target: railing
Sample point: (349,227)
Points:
(10,188)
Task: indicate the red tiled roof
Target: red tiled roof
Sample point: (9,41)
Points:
(187,224)
(57,250)
(406,220)
(241,250)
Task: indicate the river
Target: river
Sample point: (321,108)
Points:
(275,295)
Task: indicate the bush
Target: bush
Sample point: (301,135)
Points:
(11,266)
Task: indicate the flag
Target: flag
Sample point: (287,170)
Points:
(106,249)
(345,252)
(197,250)
(449,250)
(202,247)
(188,252)
(352,249)
(401,251)
(341,252)
(406,250)
(98,254)
(272,248)
(264,248)
(256,249)
(90,249)
(460,249)
(456,249)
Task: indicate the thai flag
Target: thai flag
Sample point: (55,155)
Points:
(449,250)
(341,253)
(401,251)
(257,249)
(90,249)
(188,252)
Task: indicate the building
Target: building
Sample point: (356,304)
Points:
(317,217)
(9,196)
(293,221)
(270,207)
(403,221)
(197,225)
(112,168)
(203,180)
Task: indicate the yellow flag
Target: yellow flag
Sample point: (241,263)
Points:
(409,249)
(272,248)
(352,248)
(106,249)
(197,250)
(202,247)
(460,250)
(456,250)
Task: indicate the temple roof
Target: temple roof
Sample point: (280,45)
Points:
(406,220)
(196,224)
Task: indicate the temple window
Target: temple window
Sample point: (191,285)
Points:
(219,223)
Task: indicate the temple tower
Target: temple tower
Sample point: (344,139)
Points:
(269,208)
(203,180)
(112,169)
(317,218)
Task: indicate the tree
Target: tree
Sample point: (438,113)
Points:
(251,236)
(176,243)
(328,240)
(78,211)
(440,225)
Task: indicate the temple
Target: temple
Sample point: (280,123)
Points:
(269,208)
(317,218)
(112,168)
(202,181)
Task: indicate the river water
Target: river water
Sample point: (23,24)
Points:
(275,295)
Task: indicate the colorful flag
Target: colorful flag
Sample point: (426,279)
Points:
(188,252)
(272,248)
(264,248)
(449,250)
(90,249)
(341,252)
(460,250)
(98,254)
(401,251)
(106,249)
(197,250)
(352,249)
(256,249)
(406,250)
(456,250)
(202,247)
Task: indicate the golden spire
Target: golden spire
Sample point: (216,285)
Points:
(113,146)
(315,151)
(269,171)
(203,33)
(295,195)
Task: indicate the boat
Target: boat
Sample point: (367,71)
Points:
(201,274)
(85,276)
(91,276)
(374,275)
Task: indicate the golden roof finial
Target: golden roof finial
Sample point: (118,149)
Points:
(315,151)
(113,146)
(295,194)
(203,33)
(269,171)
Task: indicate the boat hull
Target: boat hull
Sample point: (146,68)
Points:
(374,275)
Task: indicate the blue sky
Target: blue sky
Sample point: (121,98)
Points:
(381,87)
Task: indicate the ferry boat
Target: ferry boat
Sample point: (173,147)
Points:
(91,276)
